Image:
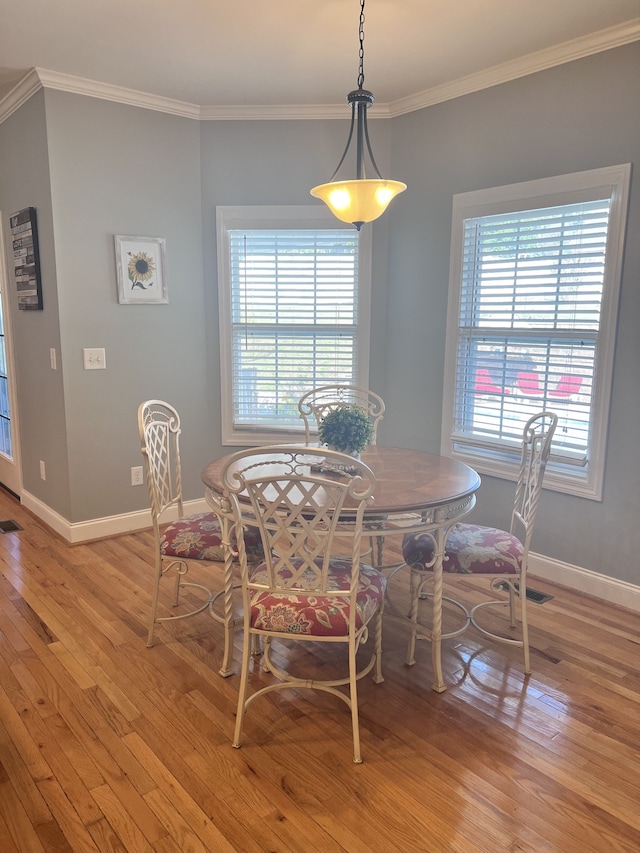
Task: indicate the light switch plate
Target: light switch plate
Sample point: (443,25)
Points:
(94,359)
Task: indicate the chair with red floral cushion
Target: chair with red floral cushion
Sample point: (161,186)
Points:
(472,549)
(189,537)
(304,508)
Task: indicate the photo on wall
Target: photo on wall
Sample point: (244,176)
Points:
(140,267)
(26,259)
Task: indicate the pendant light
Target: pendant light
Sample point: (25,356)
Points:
(363,199)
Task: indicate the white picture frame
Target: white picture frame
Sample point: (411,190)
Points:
(140,268)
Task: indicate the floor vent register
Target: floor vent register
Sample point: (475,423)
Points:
(532,594)
(9,526)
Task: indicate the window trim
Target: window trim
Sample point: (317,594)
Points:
(611,181)
(269,217)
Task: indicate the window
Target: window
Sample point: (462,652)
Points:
(535,272)
(294,287)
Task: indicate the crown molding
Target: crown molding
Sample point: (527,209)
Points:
(531,63)
(38,78)
(42,78)
(20,94)
(291,112)
(119,94)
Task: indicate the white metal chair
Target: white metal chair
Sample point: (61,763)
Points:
(301,592)
(473,549)
(315,404)
(186,538)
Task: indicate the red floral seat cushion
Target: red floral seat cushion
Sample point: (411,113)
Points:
(470,549)
(296,611)
(198,537)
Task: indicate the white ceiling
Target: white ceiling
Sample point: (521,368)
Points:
(226,53)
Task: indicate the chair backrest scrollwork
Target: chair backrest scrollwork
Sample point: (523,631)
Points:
(302,500)
(159,429)
(317,403)
(536,448)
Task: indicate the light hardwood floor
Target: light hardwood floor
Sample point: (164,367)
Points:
(107,745)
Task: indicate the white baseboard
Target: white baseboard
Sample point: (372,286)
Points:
(99,528)
(582,580)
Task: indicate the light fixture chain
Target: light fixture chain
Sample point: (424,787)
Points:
(361,52)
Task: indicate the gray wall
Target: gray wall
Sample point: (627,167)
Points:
(277,162)
(117,169)
(582,115)
(25,182)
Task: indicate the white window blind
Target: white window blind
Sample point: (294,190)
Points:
(294,314)
(535,296)
(531,294)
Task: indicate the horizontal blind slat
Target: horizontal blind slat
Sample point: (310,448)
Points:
(536,270)
(294,313)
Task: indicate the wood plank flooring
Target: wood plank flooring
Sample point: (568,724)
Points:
(106,745)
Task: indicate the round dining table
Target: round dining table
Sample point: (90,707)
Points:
(414,491)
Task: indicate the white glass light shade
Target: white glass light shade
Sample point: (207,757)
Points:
(358,201)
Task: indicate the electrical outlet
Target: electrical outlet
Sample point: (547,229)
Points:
(94,359)
(43,472)
(52,357)
(137,478)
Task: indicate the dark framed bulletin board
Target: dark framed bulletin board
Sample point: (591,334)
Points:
(26,259)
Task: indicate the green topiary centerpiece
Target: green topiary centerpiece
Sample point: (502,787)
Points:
(346,428)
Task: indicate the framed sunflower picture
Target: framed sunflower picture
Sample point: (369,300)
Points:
(140,268)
